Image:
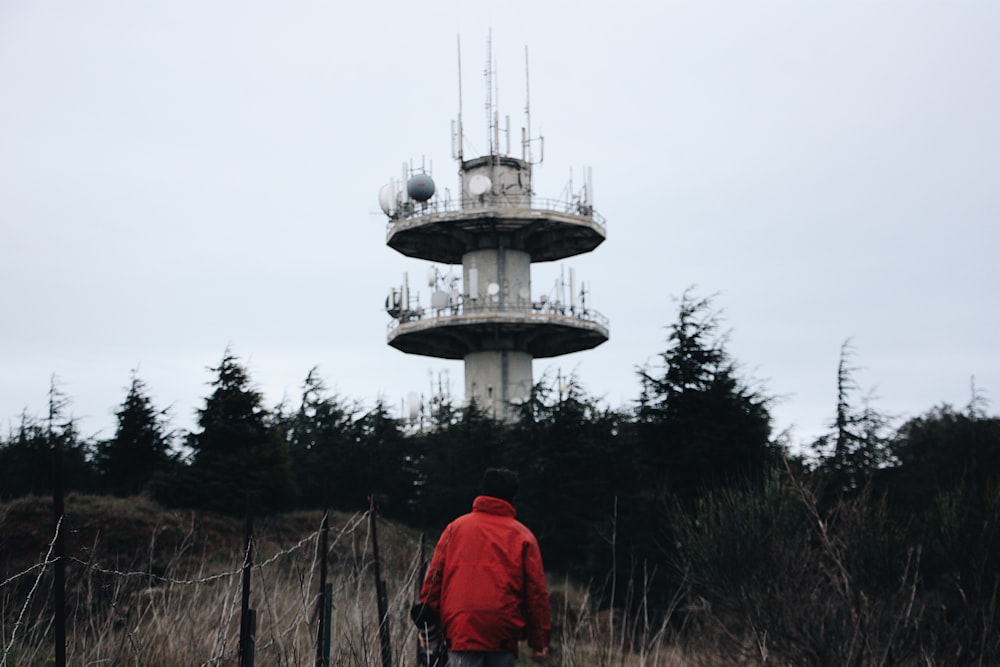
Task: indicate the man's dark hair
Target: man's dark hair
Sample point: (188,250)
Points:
(500,483)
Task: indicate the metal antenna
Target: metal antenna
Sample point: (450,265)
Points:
(526,141)
(460,137)
(488,72)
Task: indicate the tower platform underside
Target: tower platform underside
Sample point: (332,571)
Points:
(540,334)
(445,236)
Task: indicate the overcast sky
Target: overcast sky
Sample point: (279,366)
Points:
(178,177)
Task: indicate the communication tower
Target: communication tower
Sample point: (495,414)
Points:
(495,230)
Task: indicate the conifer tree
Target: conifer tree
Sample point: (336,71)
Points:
(698,425)
(945,450)
(386,462)
(26,459)
(452,459)
(140,447)
(566,449)
(860,442)
(236,457)
(324,437)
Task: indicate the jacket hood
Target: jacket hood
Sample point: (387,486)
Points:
(491,505)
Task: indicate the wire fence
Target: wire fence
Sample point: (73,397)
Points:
(181,601)
(189,612)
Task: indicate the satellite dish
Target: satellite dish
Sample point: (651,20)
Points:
(492,289)
(420,187)
(393,304)
(388,198)
(523,293)
(479,184)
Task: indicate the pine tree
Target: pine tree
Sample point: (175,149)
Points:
(698,424)
(324,437)
(26,459)
(699,428)
(140,447)
(945,450)
(566,448)
(452,458)
(386,468)
(860,442)
(237,457)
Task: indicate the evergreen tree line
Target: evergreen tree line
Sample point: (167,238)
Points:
(689,495)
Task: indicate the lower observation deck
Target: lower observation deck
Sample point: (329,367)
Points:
(547,229)
(452,333)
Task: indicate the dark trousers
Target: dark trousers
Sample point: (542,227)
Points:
(481,659)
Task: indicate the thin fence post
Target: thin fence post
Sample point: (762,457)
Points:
(323,603)
(59,578)
(328,622)
(381,596)
(248,617)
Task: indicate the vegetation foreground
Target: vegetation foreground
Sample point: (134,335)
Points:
(155,587)
(679,531)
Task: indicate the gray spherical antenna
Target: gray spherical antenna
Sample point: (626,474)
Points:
(420,187)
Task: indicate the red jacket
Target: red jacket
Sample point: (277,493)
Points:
(487,582)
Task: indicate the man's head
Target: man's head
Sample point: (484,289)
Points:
(500,483)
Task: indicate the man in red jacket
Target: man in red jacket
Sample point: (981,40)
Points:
(487,582)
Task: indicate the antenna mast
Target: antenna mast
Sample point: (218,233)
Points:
(461,136)
(490,102)
(526,140)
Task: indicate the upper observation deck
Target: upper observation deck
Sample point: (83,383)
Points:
(496,209)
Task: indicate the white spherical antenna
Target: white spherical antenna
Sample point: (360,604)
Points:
(479,184)
(493,289)
(388,198)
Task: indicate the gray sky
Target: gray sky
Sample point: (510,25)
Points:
(179,177)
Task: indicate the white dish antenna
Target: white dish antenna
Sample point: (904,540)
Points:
(479,184)
(493,289)
(388,198)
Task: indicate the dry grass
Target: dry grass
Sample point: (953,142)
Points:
(176,600)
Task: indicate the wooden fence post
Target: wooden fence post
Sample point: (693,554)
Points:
(323,603)
(248,616)
(59,578)
(381,596)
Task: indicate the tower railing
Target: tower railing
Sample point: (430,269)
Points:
(545,310)
(490,202)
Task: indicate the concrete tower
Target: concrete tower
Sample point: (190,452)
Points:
(496,229)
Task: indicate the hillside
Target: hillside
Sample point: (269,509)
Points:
(137,532)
